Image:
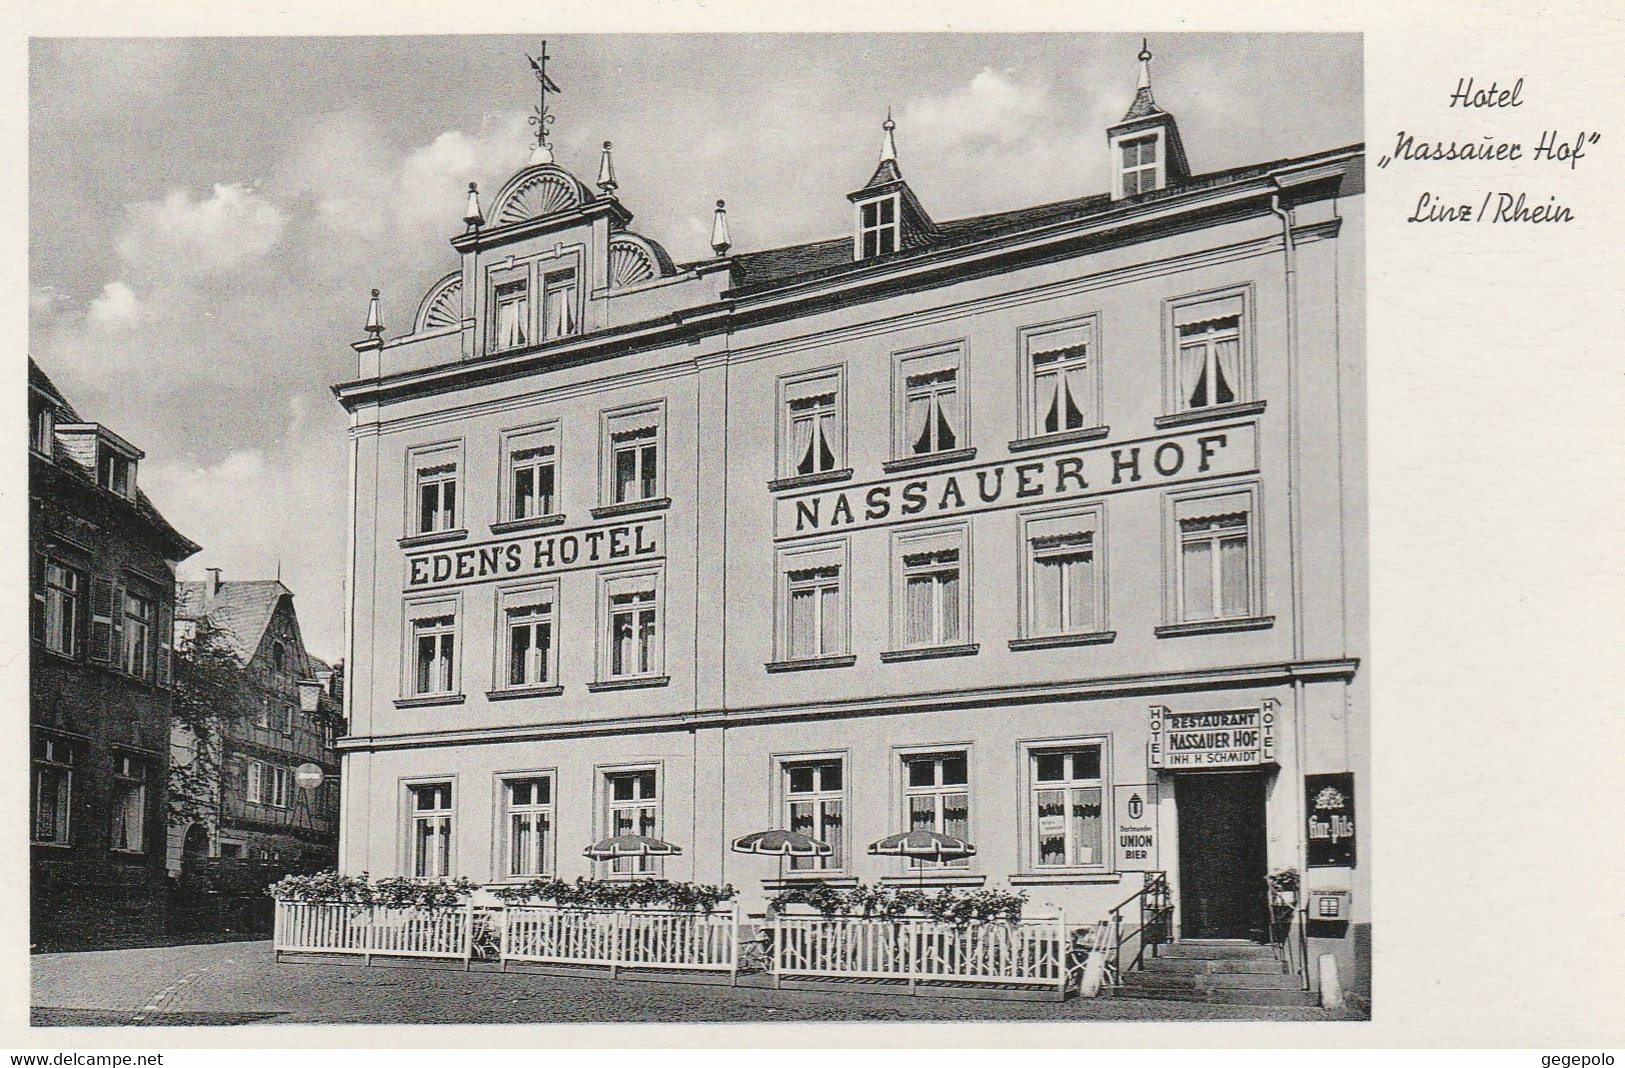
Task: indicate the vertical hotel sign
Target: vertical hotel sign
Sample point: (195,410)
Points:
(1229,738)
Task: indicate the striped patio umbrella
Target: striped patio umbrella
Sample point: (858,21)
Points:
(781,844)
(630,845)
(924,845)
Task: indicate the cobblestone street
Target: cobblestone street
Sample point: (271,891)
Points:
(239,983)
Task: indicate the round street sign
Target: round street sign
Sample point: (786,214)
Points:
(308,776)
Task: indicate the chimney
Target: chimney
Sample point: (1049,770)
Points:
(211,586)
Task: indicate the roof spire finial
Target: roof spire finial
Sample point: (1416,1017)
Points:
(606,173)
(473,217)
(375,321)
(1145,64)
(888,146)
(542,151)
(720,243)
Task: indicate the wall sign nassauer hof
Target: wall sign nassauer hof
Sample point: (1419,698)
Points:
(1243,737)
(1164,460)
(538,554)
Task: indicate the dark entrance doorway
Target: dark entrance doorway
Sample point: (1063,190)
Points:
(1221,856)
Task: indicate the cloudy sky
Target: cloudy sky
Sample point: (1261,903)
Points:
(207,215)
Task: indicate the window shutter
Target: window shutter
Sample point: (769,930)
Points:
(36,616)
(116,644)
(166,628)
(101,620)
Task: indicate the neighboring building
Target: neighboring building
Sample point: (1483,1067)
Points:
(250,805)
(102,588)
(1044,528)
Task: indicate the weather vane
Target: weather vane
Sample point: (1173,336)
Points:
(543,152)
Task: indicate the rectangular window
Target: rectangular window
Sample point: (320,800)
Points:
(1063,382)
(1065,584)
(430,847)
(633,619)
(529,826)
(434,644)
(1210,359)
(559,315)
(936,797)
(510,314)
(129,797)
(53,791)
(1213,576)
(812,433)
(815,805)
(269,784)
(1066,812)
(930,413)
(41,426)
(436,495)
(931,591)
(531,483)
(633,808)
(138,623)
(58,602)
(528,638)
(816,620)
(633,465)
(115,471)
(1139,165)
(878,228)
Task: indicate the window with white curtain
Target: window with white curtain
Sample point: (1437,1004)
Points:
(930,576)
(936,797)
(510,314)
(815,805)
(633,467)
(812,434)
(53,790)
(434,476)
(528,827)
(931,410)
(1065,814)
(530,482)
(1063,379)
(527,637)
(1210,357)
(58,607)
(632,620)
(430,831)
(816,619)
(129,804)
(1217,570)
(1063,590)
(633,807)
(560,315)
(433,651)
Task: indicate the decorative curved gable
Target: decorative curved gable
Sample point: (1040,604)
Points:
(634,259)
(443,305)
(537,191)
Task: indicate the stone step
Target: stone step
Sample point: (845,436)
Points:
(1224,996)
(1212,967)
(1203,981)
(1226,949)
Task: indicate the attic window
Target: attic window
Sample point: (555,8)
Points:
(1139,165)
(115,471)
(878,229)
(42,426)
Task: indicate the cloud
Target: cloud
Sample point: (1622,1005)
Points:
(994,106)
(180,236)
(116,307)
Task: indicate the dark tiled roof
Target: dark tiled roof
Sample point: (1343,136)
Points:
(758,271)
(886,172)
(1143,105)
(59,455)
(241,610)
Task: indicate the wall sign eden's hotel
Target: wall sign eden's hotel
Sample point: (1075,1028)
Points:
(1167,459)
(538,554)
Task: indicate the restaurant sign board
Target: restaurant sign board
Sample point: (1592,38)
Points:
(1228,738)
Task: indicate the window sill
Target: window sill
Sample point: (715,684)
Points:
(1065,878)
(1210,414)
(933,652)
(912,463)
(1061,437)
(429,700)
(533,522)
(519,693)
(1061,641)
(640,683)
(811,663)
(438,537)
(128,852)
(818,478)
(51,845)
(610,511)
(958,878)
(792,879)
(1216,626)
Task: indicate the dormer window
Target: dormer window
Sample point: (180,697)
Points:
(878,228)
(510,314)
(1139,166)
(115,471)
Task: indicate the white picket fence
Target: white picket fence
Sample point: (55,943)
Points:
(623,938)
(1029,952)
(445,932)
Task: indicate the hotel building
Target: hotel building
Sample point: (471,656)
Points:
(1044,528)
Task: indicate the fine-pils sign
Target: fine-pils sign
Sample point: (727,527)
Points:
(1242,737)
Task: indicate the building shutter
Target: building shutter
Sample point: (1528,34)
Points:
(166,628)
(116,643)
(101,620)
(36,616)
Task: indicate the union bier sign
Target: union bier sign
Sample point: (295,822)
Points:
(1086,471)
(538,554)
(1243,737)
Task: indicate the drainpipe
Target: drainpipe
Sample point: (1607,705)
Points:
(1294,527)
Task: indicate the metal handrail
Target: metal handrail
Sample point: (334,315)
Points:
(1291,951)
(1155,909)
